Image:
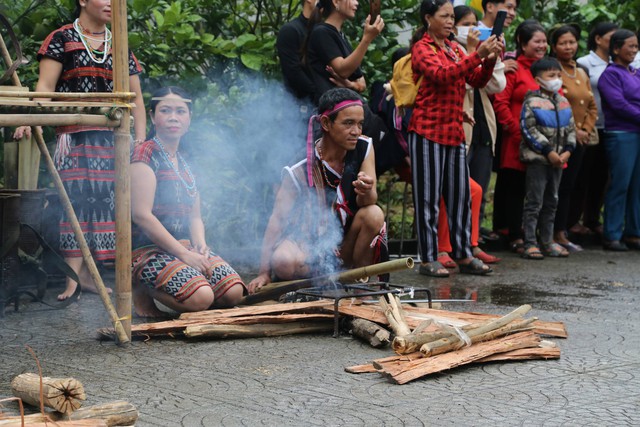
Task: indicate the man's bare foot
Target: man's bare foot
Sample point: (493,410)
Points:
(143,304)
(68,292)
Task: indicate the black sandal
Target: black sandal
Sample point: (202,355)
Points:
(475,267)
(431,269)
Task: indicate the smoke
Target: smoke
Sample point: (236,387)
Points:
(239,145)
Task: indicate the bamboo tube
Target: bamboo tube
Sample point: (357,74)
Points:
(71,215)
(70,95)
(274,290)
(111,112)
(13,102)
(122,157)
(62,394)
(56,120)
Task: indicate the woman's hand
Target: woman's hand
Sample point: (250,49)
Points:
(493,45)
(467,117)
(198,261)
(371,31)
(582,136)
(363,184)
(201,249)
(257,283)
(473,40)
(22,131)
(358,85)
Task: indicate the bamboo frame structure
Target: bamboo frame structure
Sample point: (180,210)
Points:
(122,156)
(68,95)
(122,317)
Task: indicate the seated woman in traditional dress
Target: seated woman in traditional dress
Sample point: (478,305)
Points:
(325,213)
(171,260)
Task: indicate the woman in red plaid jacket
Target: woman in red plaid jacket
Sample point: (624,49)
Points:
(436,139)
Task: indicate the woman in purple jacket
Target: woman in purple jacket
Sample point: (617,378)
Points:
(619,87)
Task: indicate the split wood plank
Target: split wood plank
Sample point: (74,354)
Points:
(178,326)
(259,309)
(514,355)
(255,331)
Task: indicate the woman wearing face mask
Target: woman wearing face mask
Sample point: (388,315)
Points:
(588,195)
(436,137)
(510,182)
(619,87)
(577,89)
(480,133)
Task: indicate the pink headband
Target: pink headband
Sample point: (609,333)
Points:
(338,107)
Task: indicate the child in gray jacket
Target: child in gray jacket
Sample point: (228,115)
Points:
(548,139)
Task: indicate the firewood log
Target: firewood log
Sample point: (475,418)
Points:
(370,332)
(118,413)
(394,313)
(253,331)
(62,394)
(454,343)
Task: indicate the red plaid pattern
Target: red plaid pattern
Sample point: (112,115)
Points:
(437,114)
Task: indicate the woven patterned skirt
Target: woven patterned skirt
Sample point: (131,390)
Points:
(157,269)
(87,171)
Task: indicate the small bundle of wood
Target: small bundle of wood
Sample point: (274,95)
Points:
(435,344)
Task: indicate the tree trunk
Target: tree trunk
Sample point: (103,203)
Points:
(370,332)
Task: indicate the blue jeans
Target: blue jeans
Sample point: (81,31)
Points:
(622,199)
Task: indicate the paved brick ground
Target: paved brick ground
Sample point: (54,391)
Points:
(301,380)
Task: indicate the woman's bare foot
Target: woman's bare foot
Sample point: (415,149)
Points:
(143,304)
(68,292)
(93,289)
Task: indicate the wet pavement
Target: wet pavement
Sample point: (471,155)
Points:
(300,380)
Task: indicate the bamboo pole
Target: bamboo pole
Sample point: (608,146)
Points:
(70,95)
(7,59)
(122,156)
(274,290)
(73,219)
(34,107)
(56,120)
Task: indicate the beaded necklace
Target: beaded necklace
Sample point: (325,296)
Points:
(324,169)
(575,71)
(106,43)
(192,189)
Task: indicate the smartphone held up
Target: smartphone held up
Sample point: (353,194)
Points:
(374,10)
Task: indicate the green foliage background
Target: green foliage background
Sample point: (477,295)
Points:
(223,50)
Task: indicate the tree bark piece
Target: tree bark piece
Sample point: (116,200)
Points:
(118,413)
(62,394)
(370,332)
(258,330)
